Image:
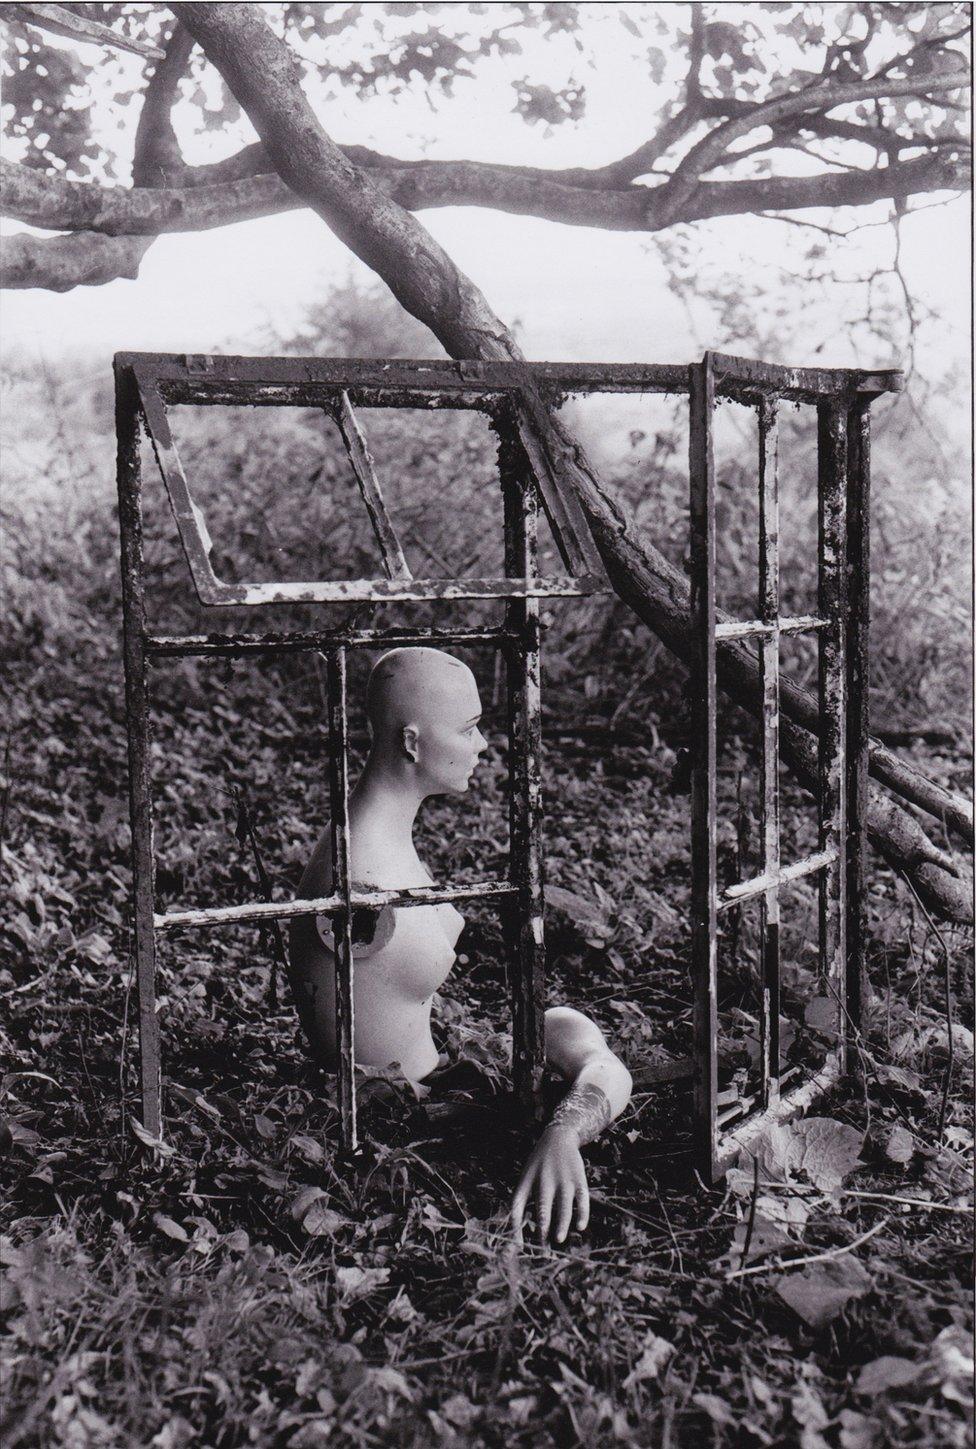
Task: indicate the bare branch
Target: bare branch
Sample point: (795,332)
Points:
(57,204)
(59,21)
(820,96)
(157,156)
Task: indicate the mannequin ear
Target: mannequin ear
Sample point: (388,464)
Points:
(410,741)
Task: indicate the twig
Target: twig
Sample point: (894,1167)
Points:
(245,831)
(779,1266)
(947,988)
(752,1213)
(799,1190)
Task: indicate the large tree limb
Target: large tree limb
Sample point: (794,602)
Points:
(59,204)
(260,72)
(88,258)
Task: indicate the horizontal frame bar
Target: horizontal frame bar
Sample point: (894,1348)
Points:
(745,890)
(210,379)
(752,628)
(740,1139)
(161,646)
(330,905)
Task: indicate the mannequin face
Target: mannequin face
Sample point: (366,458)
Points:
(446,742)
(424,712)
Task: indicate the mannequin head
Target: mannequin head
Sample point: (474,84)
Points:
(423,709)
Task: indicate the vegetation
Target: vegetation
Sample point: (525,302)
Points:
(238,1285)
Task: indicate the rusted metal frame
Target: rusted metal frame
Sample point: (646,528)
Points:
(217,593)
(342,882)
(190,521)
(702,688)
(526,928)
(362,465)
(374,591)
(329,905)
(857,658)
(757,628)
(210,373)
(137,729)
(742,1138)
(769,918)
(832,696)
(745,890)
(570,529)
(230,646)
(743,378)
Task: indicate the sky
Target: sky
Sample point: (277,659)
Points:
(577,294)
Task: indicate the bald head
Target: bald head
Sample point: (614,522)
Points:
(408,686)
(423,710)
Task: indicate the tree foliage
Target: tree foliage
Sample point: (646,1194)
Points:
(785,106)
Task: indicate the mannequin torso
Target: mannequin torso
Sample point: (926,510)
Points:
(424,711)
(395,976)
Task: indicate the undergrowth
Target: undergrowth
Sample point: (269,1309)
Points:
(238,1284)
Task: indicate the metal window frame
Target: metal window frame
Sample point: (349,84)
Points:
(841,627)
(512,395)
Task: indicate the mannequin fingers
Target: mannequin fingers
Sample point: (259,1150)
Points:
(543,1204)
(566,1200)
(582,1204)
(519,1202)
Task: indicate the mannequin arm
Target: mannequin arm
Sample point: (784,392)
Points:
(600,1090)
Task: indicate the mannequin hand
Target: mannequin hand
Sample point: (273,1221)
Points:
(556,1173)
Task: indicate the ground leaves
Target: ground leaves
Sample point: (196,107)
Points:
(887,1372)
(823,1290)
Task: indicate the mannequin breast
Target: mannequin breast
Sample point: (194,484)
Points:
(392,985)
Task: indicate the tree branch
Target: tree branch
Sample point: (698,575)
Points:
(89,258)
(57,204)
(59,21)
(710,151)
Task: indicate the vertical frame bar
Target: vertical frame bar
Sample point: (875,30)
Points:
(832,695)
(527,979)
(704,949)
(137,729)
(858,628)
(769,796)
(342,885)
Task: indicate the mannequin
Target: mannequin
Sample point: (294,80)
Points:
(424,714)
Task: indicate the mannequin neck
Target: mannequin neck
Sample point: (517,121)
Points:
(389,792)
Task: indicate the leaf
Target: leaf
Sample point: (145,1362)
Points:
(301,1203)
(857,1431)
(264,1126)
(170,1228)
(355,1283)
(887,1372)
(654,1356)
(819,1293)
(951,1360)
(821,1014)
(321,1222)
(767,1237)
(901,1144)
(148,1140)
(717,1409)
(823,1150)
(311,1150)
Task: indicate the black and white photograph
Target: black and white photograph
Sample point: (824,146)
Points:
(486,743)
